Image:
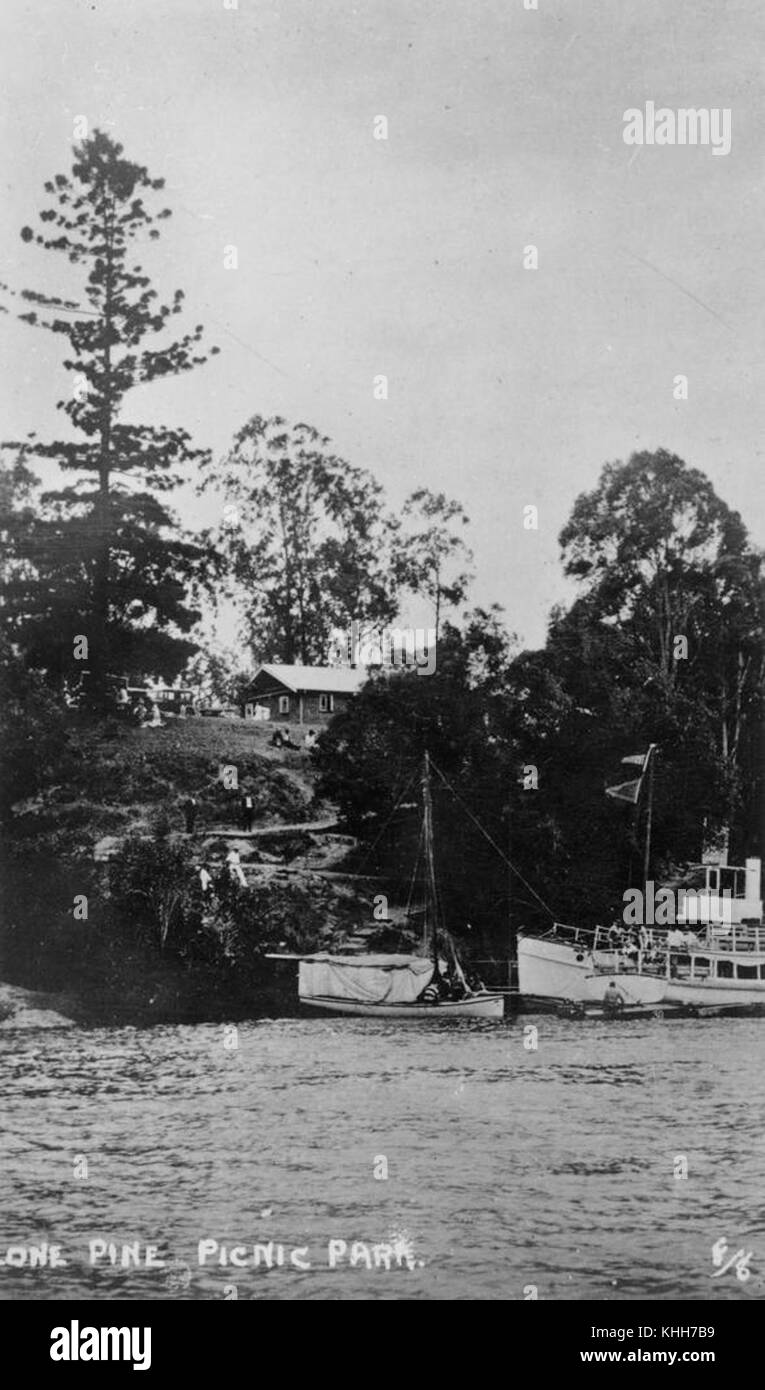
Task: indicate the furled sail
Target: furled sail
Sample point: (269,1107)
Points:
(367,979)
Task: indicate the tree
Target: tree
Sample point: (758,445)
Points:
(219,676)
(34,739)
(152,881)
(370,760)
(669,621)
(530,741)
(21,529)
(107,561)
(306,537)
(431,559)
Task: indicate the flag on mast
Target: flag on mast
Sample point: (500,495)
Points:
(630,791)
(626,791)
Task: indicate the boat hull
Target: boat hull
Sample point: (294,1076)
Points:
(477,1006)
(714,993)
(554,970)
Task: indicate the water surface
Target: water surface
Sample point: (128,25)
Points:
(508,1169)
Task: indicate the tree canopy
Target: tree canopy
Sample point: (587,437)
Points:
(531,740)
(307,538)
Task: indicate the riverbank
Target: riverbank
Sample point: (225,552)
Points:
(24,1008)
(151,948)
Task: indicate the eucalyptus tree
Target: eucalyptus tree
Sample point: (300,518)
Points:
(432,558)
(667,629)
(307,538)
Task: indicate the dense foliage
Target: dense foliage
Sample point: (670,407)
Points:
(530,742)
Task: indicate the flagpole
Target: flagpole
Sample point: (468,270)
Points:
(649,817)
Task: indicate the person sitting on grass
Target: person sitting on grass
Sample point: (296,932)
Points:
(140,711)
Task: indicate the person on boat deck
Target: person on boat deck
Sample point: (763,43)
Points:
(613,999)
(431,992)
(615,936)
(632,948)
(449,987)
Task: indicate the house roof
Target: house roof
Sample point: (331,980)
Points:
(335,680)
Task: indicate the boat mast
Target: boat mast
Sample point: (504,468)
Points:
(431,894)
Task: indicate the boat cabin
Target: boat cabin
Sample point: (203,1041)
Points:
(720,893)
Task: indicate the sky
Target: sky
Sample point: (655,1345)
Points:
(404,257)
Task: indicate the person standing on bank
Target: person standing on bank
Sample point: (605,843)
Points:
(248,811)
(235,870)
(190,812)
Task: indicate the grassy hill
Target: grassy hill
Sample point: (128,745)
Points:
(114,778)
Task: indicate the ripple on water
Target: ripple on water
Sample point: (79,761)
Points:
(505,1167)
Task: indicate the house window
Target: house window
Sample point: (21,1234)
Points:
(326,704)
(284,704)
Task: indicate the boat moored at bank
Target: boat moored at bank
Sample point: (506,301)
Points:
(431,985)
(701,960)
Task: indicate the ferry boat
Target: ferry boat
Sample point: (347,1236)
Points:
(714,955)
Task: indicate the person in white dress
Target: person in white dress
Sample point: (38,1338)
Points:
(235,869)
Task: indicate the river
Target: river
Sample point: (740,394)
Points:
(479,1165)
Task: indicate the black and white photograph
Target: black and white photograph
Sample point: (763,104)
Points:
(381,662)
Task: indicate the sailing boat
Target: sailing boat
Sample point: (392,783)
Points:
(421,986)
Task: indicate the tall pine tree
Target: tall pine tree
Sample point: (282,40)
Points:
(105,558)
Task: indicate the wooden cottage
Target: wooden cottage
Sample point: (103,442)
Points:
(301,694)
